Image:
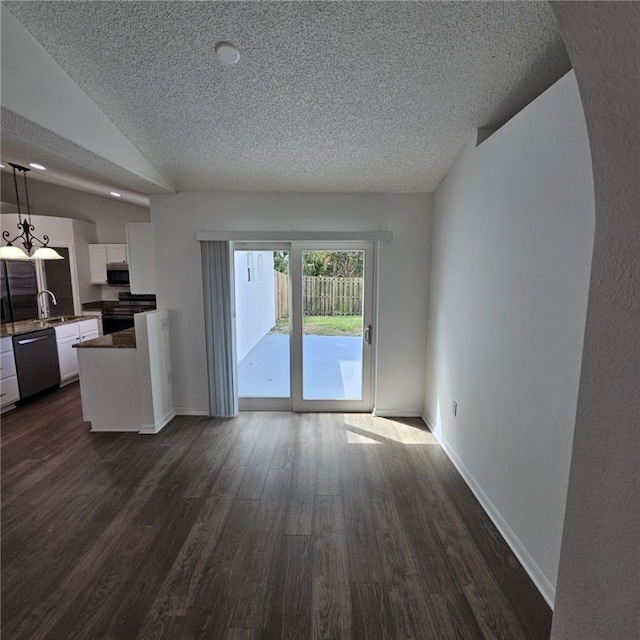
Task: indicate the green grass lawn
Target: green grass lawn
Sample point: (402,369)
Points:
(324,326)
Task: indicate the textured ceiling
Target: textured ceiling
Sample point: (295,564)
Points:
(67,163)
(327,96)
(69,174)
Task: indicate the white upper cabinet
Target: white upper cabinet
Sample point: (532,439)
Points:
(98,263)
(116,253)
(100,255)
(142,270)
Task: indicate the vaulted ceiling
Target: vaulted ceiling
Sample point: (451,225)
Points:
(327,96)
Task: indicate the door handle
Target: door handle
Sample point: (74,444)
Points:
(30,340)
(367,334)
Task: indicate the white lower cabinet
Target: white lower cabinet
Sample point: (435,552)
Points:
(67,359)
(9,391)
(66,336)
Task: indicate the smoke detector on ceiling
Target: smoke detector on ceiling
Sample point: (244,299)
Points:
(227,53)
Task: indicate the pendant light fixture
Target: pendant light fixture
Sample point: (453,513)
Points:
(26,237)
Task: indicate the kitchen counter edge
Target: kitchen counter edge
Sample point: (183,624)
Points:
(27,326)
(125,339)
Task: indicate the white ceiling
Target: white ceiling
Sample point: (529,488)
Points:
(327,96)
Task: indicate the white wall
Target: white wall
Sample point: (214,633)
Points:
(84,233)
(109,215)
(255,299)
(72,234)
(513,237)
(403,274)
(598,595)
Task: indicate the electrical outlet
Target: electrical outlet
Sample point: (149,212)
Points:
(454,408)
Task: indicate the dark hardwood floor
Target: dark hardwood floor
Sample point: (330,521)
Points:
(271,525)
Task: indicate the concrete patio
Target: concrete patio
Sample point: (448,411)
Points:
(332,368)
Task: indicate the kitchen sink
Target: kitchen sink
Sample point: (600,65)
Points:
(58,320)
(46,322)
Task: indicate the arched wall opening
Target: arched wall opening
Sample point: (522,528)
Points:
(597,592)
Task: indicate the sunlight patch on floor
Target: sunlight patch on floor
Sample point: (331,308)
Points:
(357,438)
(385,430)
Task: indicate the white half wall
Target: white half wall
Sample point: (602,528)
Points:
(154,370)
(403,268)
(513,238)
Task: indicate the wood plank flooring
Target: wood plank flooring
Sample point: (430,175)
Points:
(272,525)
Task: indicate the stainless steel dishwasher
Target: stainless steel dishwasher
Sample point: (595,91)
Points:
(36,355)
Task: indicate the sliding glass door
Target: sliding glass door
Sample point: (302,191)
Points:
(304,326)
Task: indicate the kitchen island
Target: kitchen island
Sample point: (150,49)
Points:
(125,377)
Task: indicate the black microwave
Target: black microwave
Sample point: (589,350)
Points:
(118,274)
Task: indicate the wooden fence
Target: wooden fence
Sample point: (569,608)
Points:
(282,294)
(323,296)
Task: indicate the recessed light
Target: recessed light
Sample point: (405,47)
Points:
(115,194)
(34,165)
(227,52)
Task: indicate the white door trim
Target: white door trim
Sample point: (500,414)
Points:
(296,401)
(295,236)
(366,403)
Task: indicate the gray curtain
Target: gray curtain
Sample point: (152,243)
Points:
(219,321)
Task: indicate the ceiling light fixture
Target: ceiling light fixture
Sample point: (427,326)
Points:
(26,238)
(1,165)
(227,52)
(35,165)
(115,194)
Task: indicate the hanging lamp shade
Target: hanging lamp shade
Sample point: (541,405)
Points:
(46,253)
(13,253)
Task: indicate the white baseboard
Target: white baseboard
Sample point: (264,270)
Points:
(394,413)
(546,589)
(190,411)
(432,427)
(152,429)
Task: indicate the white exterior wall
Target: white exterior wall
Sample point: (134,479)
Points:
(513,238)
(403,267)
(255,298)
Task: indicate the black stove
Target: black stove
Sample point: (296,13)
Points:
(121,317)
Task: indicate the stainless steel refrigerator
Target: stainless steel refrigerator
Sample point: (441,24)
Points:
(19,290)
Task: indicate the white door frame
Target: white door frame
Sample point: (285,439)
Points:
(296,401)
(297,353)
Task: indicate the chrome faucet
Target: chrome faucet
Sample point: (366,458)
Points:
(44,308)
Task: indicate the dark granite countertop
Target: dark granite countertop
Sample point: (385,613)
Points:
(99,305)
(26,326)
(125,339)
